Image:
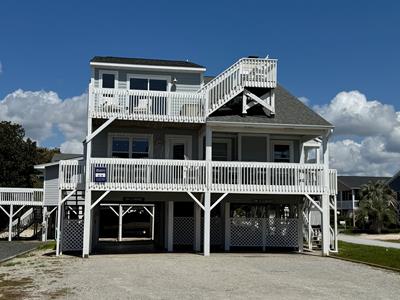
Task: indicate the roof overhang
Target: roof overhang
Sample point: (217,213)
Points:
(147,67)
(55,163)
(306,129)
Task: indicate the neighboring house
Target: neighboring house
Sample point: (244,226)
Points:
(348,193)
(227,162)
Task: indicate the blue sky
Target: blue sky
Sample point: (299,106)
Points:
(323,47)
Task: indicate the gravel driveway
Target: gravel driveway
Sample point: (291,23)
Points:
(190,276)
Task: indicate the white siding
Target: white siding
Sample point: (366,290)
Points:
(51,185)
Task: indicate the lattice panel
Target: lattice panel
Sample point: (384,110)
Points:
(281,233)
(183,230)
(246,232)
(72,235)
(264,232)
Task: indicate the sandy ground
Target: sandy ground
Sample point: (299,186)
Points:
(41,275)
(382,237)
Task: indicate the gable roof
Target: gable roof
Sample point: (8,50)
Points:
(56,160)
(145,61)
(355,182)
(288,110)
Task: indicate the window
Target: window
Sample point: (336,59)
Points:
(282,151)
(148,84)
(130,145)
(310,155)
(140,147)
(222,149)
(120,147)
(108,81)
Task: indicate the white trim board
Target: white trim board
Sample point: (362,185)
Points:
(147,67)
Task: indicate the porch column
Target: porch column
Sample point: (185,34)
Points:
(227,226)
(353,205)
(120,215)
(10,222)
(88,196)
(170,226)
(44,224)
(325,200)
(58,227)
(207,194)
(197,228)
(206,242)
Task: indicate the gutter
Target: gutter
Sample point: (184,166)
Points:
(269,125)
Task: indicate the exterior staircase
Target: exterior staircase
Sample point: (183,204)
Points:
(245,73)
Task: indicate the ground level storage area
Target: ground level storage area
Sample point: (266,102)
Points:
(140,222)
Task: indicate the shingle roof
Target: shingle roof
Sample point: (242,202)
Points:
(288,110)
(64,156)
(145,61)
(357,181)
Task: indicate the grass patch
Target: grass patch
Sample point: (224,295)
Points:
(381,256)
(47,246)
(391,241)
(12,263)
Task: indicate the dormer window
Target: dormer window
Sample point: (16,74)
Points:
(148,83)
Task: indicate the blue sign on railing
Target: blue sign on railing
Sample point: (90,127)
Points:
(100,174)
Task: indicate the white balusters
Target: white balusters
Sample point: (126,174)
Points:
(21,196)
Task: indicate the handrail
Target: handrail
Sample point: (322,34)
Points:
(21,196)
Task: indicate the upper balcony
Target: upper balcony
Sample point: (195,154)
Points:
(132,103)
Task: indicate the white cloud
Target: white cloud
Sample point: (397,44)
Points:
(72,146)
(305,100)
(374,128)
(41,113)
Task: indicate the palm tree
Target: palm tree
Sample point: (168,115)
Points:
(378,205)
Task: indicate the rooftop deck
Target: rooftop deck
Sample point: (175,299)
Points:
(183,107)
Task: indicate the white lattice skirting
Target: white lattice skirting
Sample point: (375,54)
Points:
(72,236)
(264,232)
(184,231)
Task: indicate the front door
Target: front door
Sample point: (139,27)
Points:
(178,147)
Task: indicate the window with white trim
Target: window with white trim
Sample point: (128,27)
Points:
(148,83)
(130,146)
(282,151)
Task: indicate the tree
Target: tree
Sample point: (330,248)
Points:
(17,156)
(378,205)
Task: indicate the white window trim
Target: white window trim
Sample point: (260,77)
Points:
(227,141)
(173,138)
(283,143)
(130,136)
(115,73)
(240,135)
(145,76)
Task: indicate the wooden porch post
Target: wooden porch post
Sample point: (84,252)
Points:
(120,216)
(88,196)
(44,224)
(10,222)
(325,200)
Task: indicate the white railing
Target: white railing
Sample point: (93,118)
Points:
(150,174)
(147,105)
(71,174)
(333,181)
(21,196)
(247,72)
(193,175)
(183,106)
(275,178)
